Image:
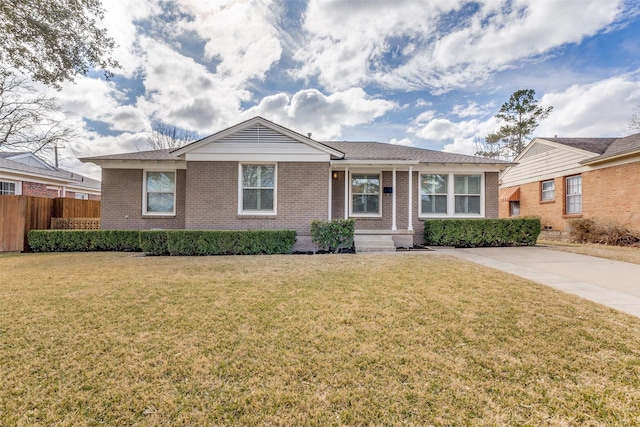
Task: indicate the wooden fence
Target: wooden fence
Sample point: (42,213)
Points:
(20,214)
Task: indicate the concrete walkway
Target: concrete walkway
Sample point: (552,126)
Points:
(612,283)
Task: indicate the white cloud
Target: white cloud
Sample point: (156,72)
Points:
(469,110)
(100,100)
(593,110)
(242,36)
(439,45)
(183,93)
(324,116)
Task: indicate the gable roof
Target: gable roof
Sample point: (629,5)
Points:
(340,151)
(605,148)
(594,145)
(14,162)
(256,122)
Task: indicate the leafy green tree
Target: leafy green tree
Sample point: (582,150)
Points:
(519,117)
(52,41)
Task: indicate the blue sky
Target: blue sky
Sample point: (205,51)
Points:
(430,74)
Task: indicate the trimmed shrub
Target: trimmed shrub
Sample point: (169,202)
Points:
(154,242)
(333,235)
(470,233)
(587,230)
(224,242)
(83,240)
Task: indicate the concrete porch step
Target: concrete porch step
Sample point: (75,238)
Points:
(369,243)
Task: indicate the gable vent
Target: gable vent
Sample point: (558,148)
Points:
(257,134)
(538,148)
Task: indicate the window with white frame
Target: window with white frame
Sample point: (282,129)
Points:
(548,190)
(433,194)
(82,196)
(574,194)
(467,194)
(7,187)
(159,193)
(258,192)
(365,194)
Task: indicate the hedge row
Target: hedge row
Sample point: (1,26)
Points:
(470,233)
(84,240)
(164,242)
(334,235)
(188,242)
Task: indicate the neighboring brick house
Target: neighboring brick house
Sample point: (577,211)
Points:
(260,175)
(23,173)
(559,179)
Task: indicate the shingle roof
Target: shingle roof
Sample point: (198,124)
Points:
(138,155)
(361,150)
(603,147)
(353,150)
(59,174)
(594,145)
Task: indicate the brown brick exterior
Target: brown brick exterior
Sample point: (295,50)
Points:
(121,206)
(212,197)
(612,195)
(608,195)
(38,190)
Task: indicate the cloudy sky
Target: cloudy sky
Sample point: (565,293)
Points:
(430,74)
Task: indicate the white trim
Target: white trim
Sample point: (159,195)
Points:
(451,196)
(263,122)
(273,212)
(410,222)
(329,203)
(144,193)
(380,192)
(256,155)
(17,186)
(346,193)
(393,200)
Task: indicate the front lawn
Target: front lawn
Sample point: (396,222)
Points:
(401,339)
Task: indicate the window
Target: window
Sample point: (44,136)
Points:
(7,187)
(514,208)
(365,194)
(467,194)
(548,191)
(82,196)
(159,193)
(258,188)
(433,194)
(574,194)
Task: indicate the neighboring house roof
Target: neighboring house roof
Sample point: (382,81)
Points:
(595,145)
(28,165)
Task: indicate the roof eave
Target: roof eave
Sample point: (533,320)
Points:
(608,158)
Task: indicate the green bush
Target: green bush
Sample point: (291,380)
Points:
(224,242)
(154,242)
(83,240)
(469,233)
(333,235)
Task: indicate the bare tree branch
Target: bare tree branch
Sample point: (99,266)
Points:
(169,137)
(29,120)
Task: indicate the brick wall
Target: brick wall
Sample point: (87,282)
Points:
(212,197)
(491,194)
(121,205)
(551,213)
(38,190)
(612,195)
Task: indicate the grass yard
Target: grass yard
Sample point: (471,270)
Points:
(616,253)
(405,339)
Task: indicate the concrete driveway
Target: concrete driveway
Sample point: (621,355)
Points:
(612,283)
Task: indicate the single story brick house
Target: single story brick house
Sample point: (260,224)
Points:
(260,175)
(559,179)
(24,173)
